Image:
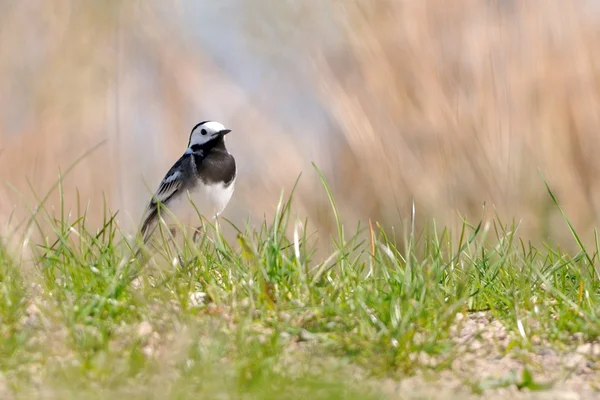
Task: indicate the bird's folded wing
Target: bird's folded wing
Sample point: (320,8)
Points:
(169,186)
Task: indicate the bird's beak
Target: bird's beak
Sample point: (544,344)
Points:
(224,132)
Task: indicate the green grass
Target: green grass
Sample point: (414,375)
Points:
(264,318)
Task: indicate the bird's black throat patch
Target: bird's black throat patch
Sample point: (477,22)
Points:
(213,163)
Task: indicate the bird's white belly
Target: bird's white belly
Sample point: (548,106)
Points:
(206,200)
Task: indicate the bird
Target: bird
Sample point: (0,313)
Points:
(201,182)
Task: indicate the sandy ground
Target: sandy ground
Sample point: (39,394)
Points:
(570,374)
(490,366)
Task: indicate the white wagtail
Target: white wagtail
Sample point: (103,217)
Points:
(200,182)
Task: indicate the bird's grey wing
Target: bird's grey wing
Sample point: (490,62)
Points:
(170,185)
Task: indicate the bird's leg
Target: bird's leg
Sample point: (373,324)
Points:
(173,235)
(197,234)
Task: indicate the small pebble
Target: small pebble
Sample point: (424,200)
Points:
(144,329)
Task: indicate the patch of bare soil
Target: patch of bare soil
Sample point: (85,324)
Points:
(489,369)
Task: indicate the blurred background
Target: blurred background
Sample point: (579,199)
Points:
(452,104)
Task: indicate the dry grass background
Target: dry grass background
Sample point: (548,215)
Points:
(451,103)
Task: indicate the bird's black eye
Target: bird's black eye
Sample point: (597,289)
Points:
(203,132)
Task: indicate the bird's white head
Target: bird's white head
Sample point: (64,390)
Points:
(206,131)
